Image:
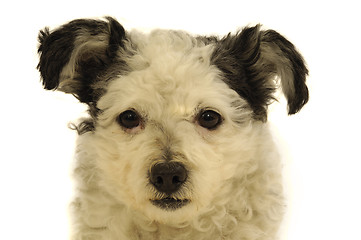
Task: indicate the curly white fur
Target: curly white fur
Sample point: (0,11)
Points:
(234,184)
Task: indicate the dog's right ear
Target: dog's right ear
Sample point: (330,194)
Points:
(74,56)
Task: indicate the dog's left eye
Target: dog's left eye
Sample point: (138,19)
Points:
(209,119)
(129,119)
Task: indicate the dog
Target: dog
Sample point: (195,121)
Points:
(176,145)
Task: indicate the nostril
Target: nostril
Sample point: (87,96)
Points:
(159,180)
(175,180)
(179,178)
(168,177)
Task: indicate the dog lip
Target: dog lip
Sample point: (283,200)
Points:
(170,204)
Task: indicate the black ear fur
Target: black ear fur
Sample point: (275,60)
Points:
(73,56)
(252,59)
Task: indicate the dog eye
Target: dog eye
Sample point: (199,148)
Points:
(209,119)
(129,119)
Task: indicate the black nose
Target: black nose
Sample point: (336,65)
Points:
(167,177)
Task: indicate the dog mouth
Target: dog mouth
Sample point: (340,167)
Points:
(170,204)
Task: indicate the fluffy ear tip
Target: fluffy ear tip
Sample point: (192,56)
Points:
(302,94)
(48,86)
(110,19)
(256,27)
(48,83)
(114,23)
(251,30)
(297,104)
(42,36)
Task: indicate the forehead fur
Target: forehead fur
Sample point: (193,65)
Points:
(167,50)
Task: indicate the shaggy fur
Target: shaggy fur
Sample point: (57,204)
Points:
(197,105)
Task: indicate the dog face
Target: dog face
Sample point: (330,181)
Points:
(174,125)
(173,117)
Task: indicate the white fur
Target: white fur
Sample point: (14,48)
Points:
(234,183)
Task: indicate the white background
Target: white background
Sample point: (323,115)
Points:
(321,144)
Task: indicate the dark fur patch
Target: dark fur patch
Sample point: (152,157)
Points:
(298,67)
(250,70)
(56,49)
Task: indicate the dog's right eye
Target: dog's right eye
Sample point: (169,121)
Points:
(129,119)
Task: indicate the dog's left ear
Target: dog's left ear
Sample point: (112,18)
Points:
(74,57)
(252,59)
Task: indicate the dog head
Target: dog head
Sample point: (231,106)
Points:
(172,116)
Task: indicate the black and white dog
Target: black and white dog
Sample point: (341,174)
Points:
(176,145)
